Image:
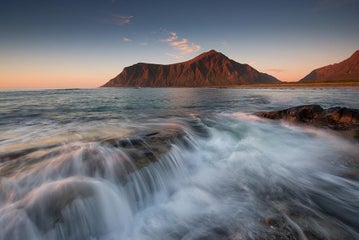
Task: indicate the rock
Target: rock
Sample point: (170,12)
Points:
(148,146)
(272,222)
(45,204)
(299,114)
(344,120)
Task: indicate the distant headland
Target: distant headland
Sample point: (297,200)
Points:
(347,70)
(214,69)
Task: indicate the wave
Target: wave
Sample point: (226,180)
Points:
(229,176)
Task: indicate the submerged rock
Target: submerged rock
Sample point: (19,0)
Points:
(341,119)
(125,154)
(75,189)
(148,146)
(45,204)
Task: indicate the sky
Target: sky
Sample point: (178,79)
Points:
(85,43)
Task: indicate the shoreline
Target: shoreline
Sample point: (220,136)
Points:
(244,86)
(351,84)
(298,85)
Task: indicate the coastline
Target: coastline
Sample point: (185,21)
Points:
(300,85)
(337,84)
(354,84)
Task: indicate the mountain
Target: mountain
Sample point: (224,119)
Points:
(208,69)
(347,70)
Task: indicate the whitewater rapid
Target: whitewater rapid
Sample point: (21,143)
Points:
(245,178)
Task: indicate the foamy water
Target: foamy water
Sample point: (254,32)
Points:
(237,176)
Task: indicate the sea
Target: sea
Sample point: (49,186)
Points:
(232,176)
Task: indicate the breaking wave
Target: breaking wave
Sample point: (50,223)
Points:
(229,176)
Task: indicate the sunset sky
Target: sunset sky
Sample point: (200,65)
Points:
(84,43)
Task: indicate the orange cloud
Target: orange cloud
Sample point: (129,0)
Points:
(171,38)
(182,47)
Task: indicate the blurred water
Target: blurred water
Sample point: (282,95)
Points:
(236,176)
(66,106)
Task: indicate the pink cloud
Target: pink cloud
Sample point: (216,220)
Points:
(171,38)
(182,47)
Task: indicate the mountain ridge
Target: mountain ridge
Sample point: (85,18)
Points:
(346,70)
(209,69)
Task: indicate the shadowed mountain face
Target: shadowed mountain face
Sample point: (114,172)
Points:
(208,69)
(347,70)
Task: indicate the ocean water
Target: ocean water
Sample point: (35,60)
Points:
(227,174)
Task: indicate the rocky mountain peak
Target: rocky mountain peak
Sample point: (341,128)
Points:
(209,69)
(347,70)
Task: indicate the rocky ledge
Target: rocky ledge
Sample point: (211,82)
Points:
(149,146)
(344,120)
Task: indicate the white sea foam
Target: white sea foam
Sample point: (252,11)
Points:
(237,177)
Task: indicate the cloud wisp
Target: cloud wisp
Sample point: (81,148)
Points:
(182,46)
(125,39)
(118,20)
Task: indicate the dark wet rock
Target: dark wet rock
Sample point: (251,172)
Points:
(304,114)
(298,222)
(148,146)
(216,233)
(272,222)
(351,174)
(278,229)
(198,127)
(151,134)
(22,161)
(55,206)
(140,147)
(341,119)
(7,156)
(124,143)
(44,205)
